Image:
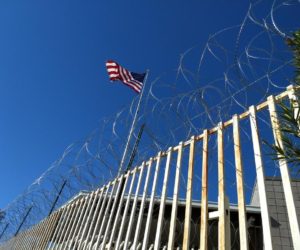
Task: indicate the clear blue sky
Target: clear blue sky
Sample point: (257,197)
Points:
(53,83)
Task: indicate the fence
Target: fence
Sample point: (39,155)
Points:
(130,213)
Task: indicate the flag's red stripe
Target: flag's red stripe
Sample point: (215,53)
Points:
(125,78)
(138,91)
(123,75)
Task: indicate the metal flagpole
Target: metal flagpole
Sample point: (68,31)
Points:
(136,144)
(133,125)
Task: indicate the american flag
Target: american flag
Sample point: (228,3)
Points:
(117,72)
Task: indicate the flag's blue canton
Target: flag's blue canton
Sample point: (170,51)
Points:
(138,77)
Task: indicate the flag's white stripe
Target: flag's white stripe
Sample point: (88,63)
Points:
(127,82)
(137,82)
(132,81)
(123,76)
(133,86)
(137,86)
(111,64)
(113,75)
(112,70)
(140,84)
(126,74)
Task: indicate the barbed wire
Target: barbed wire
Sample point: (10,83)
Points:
(211,83)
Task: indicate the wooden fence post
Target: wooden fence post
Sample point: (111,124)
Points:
(188,203)
(151,205)
(260,176)
(134,205)
(285,176)
(204,198)
(223,239)
(163,201)
(120,233)
(112,210)
(240,184)
(175,199)
(140,217)
(91,226)
(100,214)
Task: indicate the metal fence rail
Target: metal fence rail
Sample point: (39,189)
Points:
(126,213)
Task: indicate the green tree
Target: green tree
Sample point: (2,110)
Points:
(290,115)
(294,43)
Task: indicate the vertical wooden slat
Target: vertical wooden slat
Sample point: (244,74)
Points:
(72,230)
(21,237)
(140,217)
(99,218)
(112,211)
(117,216)
(120,234)
(260,175)
(36,234)
(32,236)
(223,239)
(69,222)
(175,198)
(46,227)
(63,234)
(204,199)
(17,240)
(103,222)
(10,243)
(285,176)
(48,230)
(26,237)
(87,219)
(65,221)
(30,232)
(28,241)
(91,199)
(162,201)
(25,240)
(61,220)
(151,205)
(294,100)
(130,225)
(39,232)
(94,217)
(240,184)
(73,239)
(188,203)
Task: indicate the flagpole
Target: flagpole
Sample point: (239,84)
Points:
(133,124)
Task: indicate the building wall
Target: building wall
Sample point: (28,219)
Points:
(279,219)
